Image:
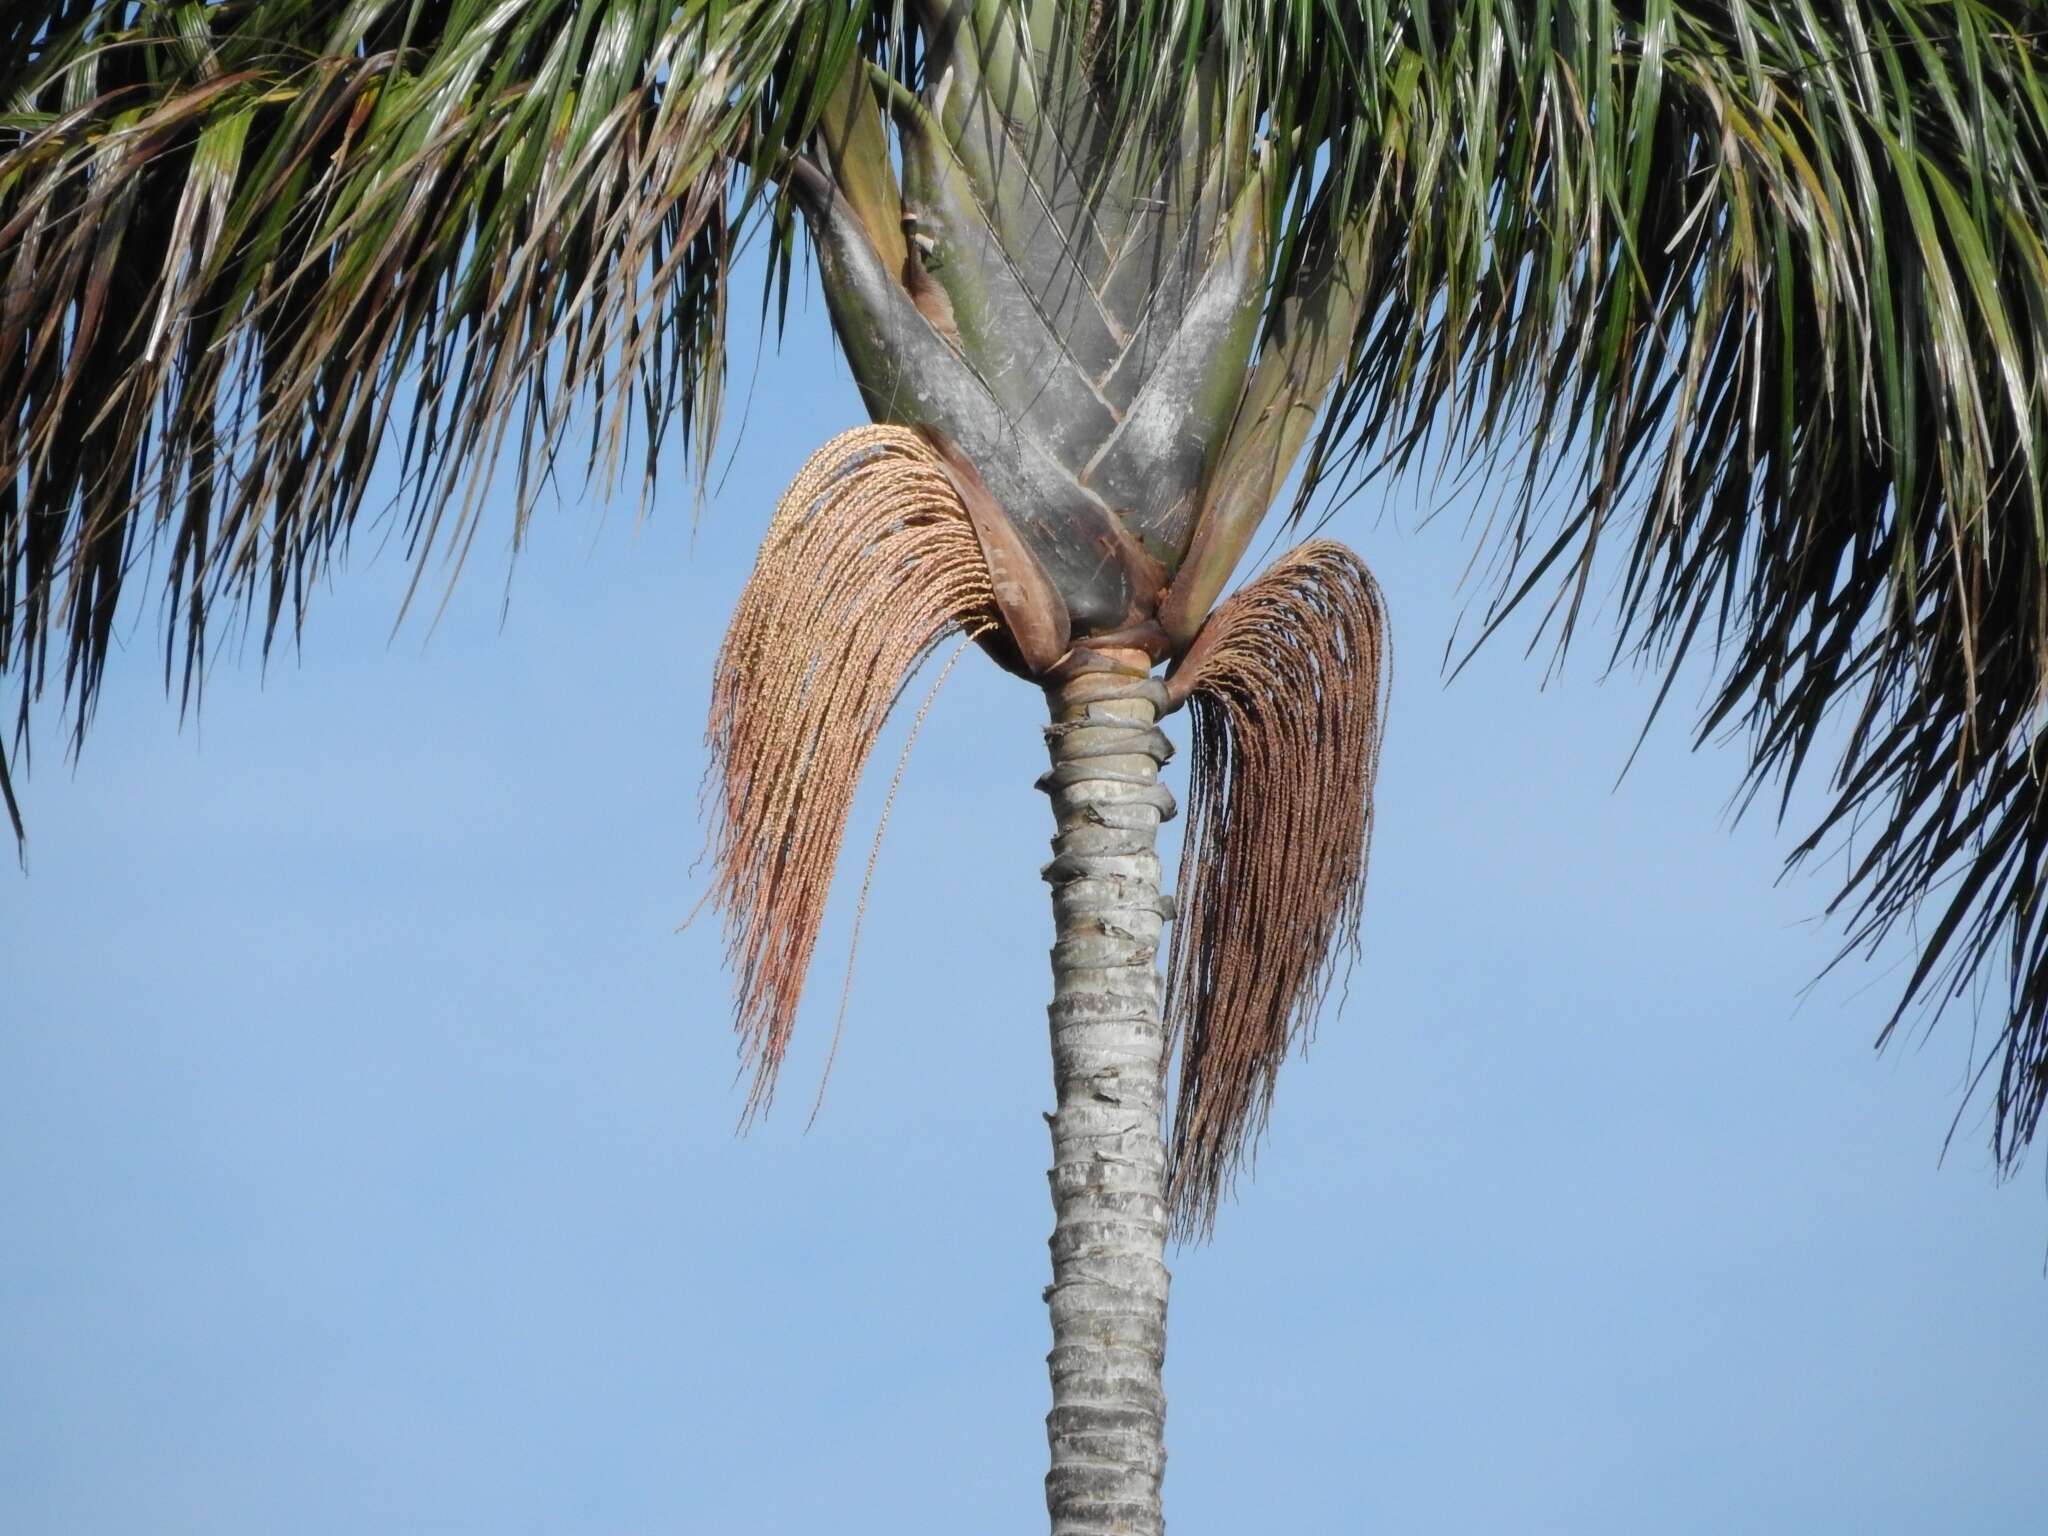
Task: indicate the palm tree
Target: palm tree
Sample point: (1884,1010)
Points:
(1762,284)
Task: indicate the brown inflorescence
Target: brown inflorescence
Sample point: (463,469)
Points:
(1287,686)
(869,563)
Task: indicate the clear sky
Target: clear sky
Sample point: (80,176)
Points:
(367,1153)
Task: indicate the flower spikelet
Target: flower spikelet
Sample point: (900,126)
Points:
(869,564)
(1287,686)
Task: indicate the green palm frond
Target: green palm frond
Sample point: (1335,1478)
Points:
(1763,282)
(247,249)
(1770,278)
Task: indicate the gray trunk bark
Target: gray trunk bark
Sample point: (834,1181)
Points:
(1108,1292)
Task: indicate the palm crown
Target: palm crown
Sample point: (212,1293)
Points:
(1757,287)
(1766,279)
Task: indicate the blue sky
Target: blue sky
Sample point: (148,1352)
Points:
(367,1153)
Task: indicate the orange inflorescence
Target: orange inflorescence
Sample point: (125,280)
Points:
(1287,686)
(869,563)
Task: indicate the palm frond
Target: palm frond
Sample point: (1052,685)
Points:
(250,249)
(1769,280)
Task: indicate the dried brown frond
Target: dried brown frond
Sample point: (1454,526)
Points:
(869,563)
(1287,685)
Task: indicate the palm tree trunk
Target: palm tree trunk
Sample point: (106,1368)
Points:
(1108,1292)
